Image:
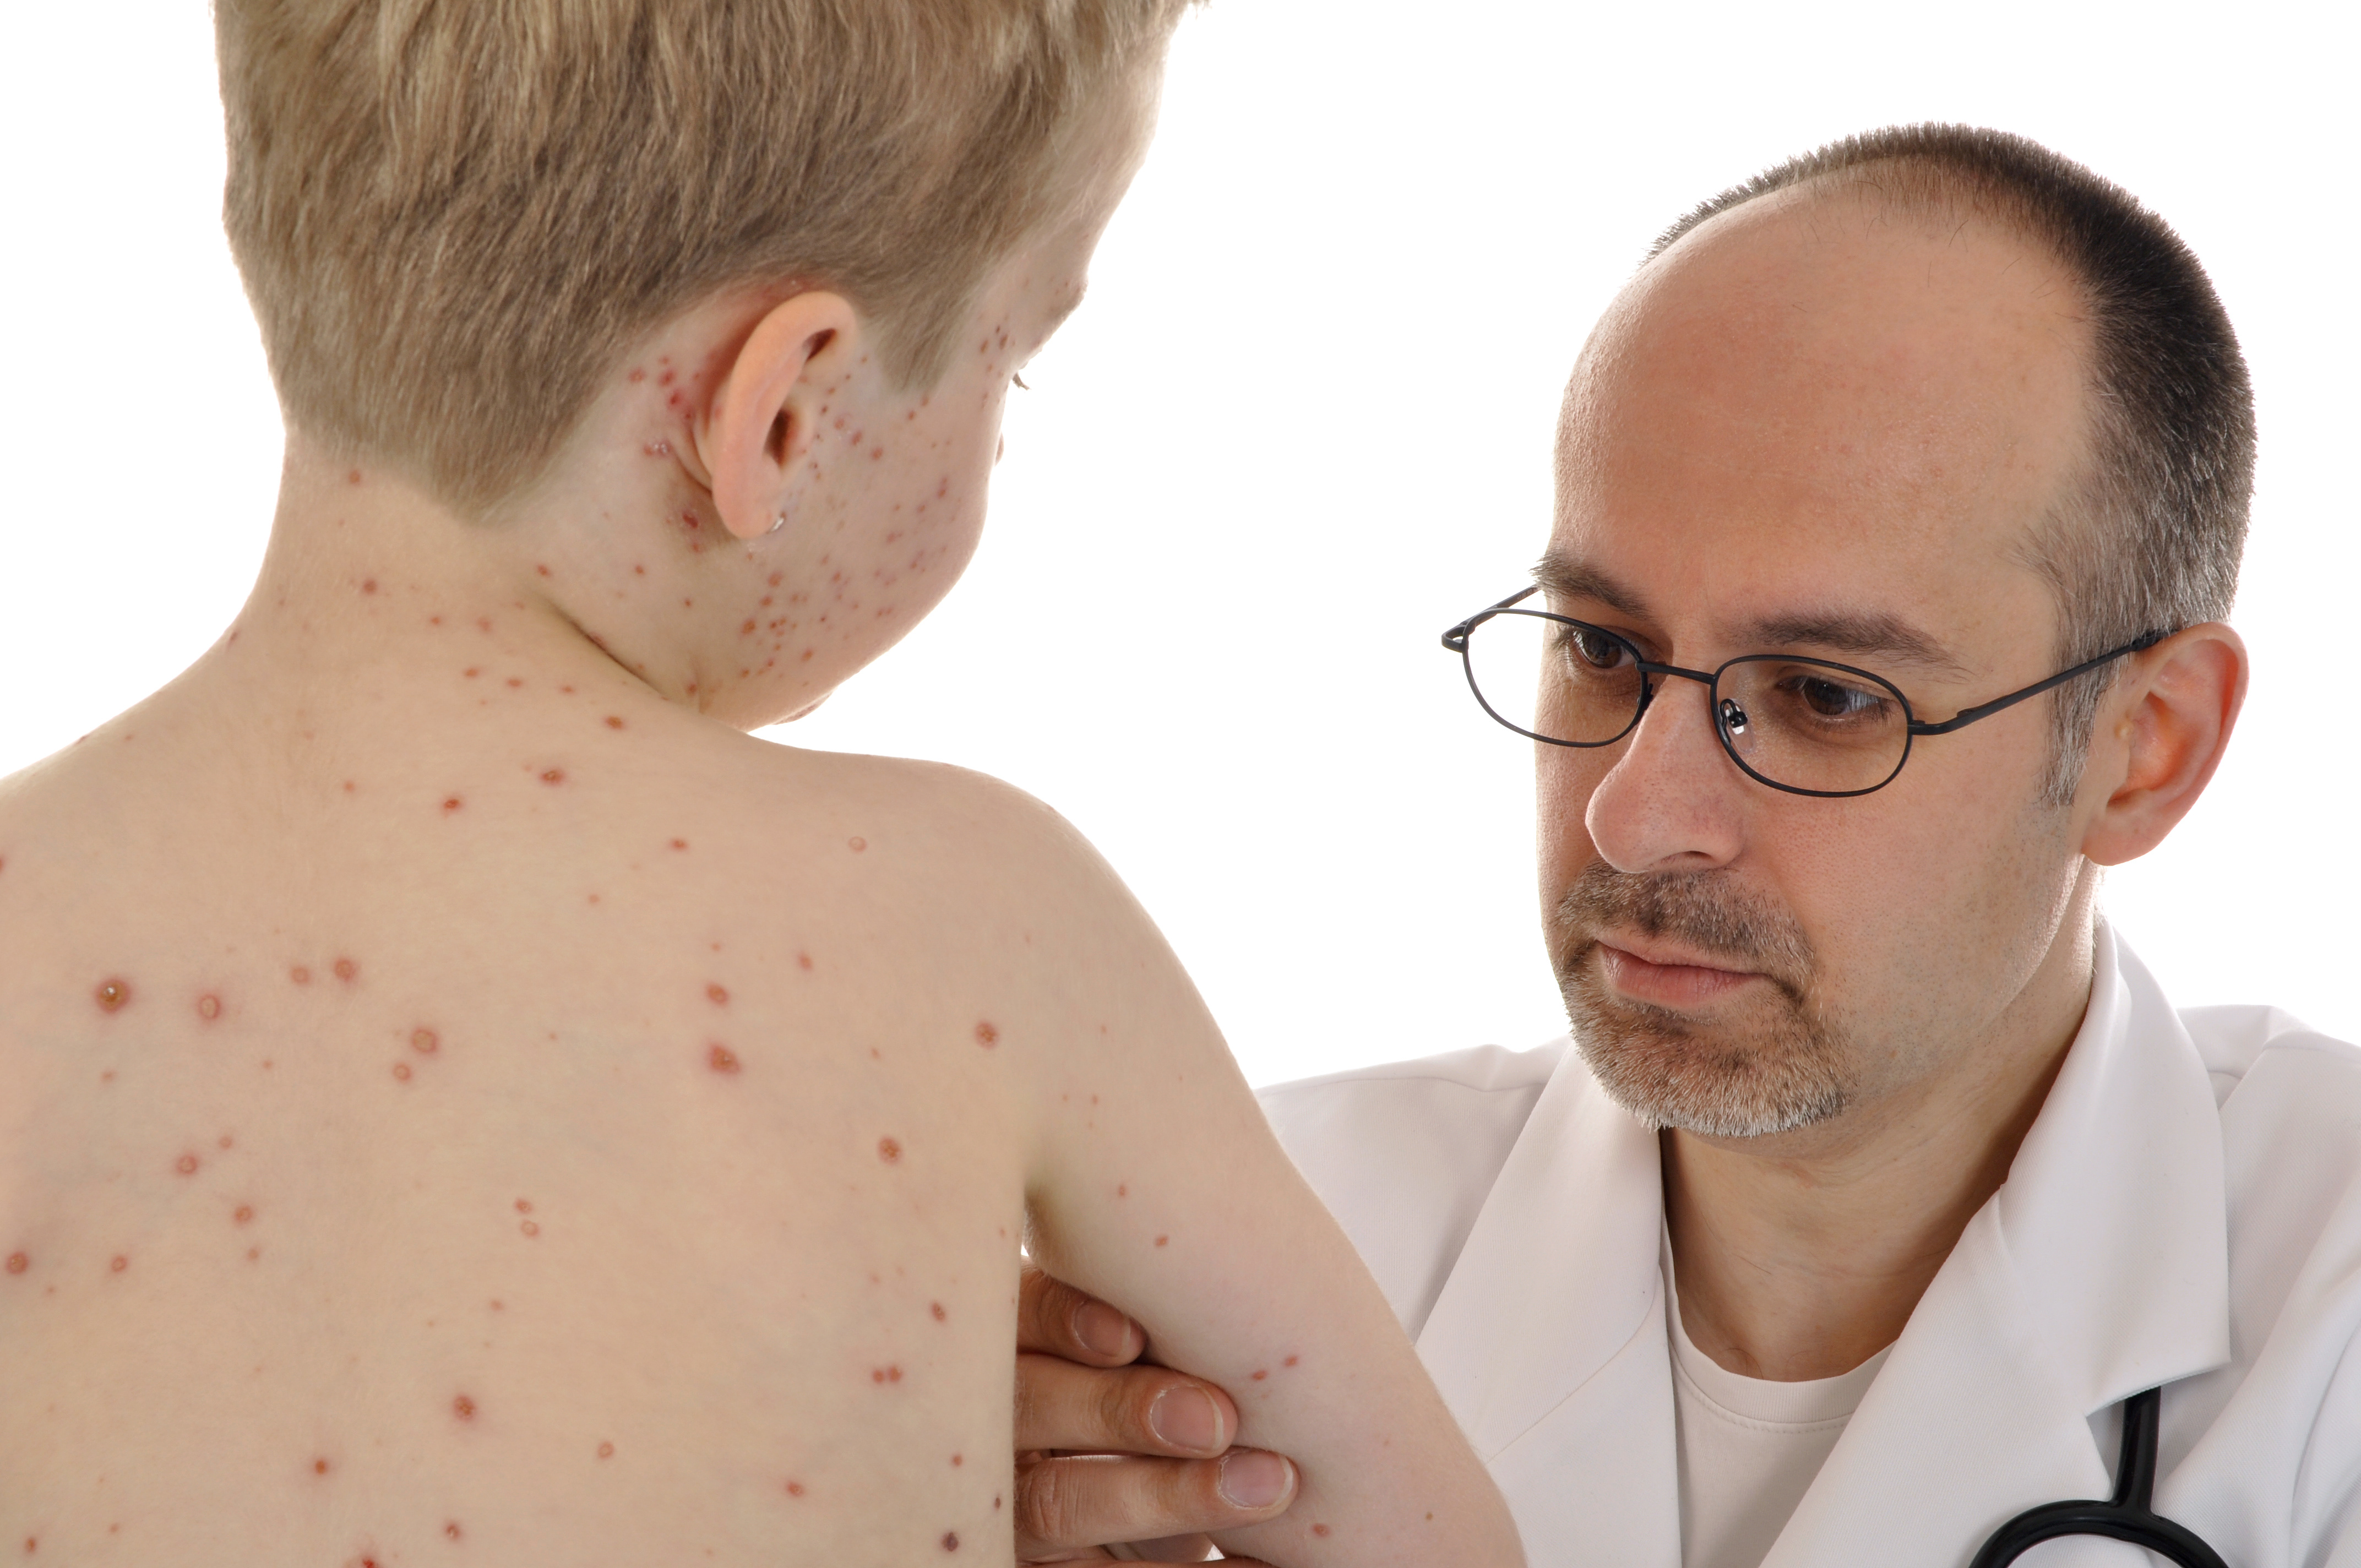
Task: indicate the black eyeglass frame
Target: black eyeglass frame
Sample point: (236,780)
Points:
(1457,639)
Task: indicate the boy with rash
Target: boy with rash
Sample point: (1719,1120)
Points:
(458,1092)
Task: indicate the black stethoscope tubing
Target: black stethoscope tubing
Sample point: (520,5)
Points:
(2129,1515)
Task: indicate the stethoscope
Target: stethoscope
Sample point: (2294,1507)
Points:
(2129,1515)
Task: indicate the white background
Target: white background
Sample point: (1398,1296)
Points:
(1301,425)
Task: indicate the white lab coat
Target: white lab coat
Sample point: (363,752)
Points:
(2184,1211)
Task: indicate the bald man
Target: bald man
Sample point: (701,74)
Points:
(1900,503)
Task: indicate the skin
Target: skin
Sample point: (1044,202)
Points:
(1814,406)
(455,1087)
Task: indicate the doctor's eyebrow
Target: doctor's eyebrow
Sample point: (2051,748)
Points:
(1885,637)
(1563,575)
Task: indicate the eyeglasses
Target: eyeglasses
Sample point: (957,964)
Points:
(1805,725)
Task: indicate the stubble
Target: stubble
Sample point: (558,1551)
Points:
(1779,1063)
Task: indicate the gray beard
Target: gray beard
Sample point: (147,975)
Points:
(1736,1080)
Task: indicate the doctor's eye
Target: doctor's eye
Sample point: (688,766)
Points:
(1596,648)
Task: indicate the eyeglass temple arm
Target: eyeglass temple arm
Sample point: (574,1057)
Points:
(1968,715)
(1457,638)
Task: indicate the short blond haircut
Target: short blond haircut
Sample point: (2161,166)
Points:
(454,217)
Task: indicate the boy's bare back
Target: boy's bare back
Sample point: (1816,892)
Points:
(460,1094)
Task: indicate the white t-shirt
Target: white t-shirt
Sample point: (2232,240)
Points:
(1748,1447)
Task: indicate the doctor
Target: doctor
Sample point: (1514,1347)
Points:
(1878,1174)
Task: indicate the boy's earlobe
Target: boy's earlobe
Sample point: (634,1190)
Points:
(752,438)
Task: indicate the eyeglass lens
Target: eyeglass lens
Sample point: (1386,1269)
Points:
(1798,722)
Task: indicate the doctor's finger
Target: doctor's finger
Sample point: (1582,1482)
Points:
(1055,1319)
(1122,1410)
(1068,1505)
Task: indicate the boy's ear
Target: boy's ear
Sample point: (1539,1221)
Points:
(760,424)
(2171,721)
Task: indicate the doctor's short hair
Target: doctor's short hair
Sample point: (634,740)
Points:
(2151,538)
(454,219)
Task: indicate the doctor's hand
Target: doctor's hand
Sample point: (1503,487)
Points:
(1120,1460)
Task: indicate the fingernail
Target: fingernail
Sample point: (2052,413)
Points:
(1187,1418)
(1102,1329)
(1254,1479)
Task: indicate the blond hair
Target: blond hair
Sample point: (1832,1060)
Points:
(454,218)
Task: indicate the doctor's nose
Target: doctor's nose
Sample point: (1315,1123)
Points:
(1672,801)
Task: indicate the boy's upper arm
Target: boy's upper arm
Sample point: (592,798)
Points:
(1156,1183)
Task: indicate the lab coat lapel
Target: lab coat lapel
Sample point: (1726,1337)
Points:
(1548,1340)
(2100,1269)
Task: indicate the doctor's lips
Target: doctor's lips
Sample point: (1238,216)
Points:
(1664,974)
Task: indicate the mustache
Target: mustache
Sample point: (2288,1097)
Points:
(1705,910)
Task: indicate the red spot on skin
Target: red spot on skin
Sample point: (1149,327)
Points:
(514,683)
(888,1150)
(803,960)
(111,994)
(808,654)
(423,1042)
(464,1408)
(226,1141)
(346,969)
(1120,1191)
(300,975)
(353,476)
(1291,1361)
(614,721)
(936,1308)
(794,1488)
(875,453)
(401,1071)
(451,805)
(319,1468)
(665,379)
(857,845)
(637,376)
(957,1460)
(209,1007)
(553,776)
(452,1530)
(186,1164)
(986,1035)
(950,1541)
(473,671)
(1262,1374)
(119,1264)
(245,1214)
(721,1058)
(524,1206)
(680,843)
(606,1451)
(716,996)
(689,519)
(529,1228)
(747,630)
(543,570)
(1162,1240)
(775,579)
(368,586)
(18,1263)
(885,1375)
(1320,1529)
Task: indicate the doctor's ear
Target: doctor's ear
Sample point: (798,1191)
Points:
(2160,733)
(757,431)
